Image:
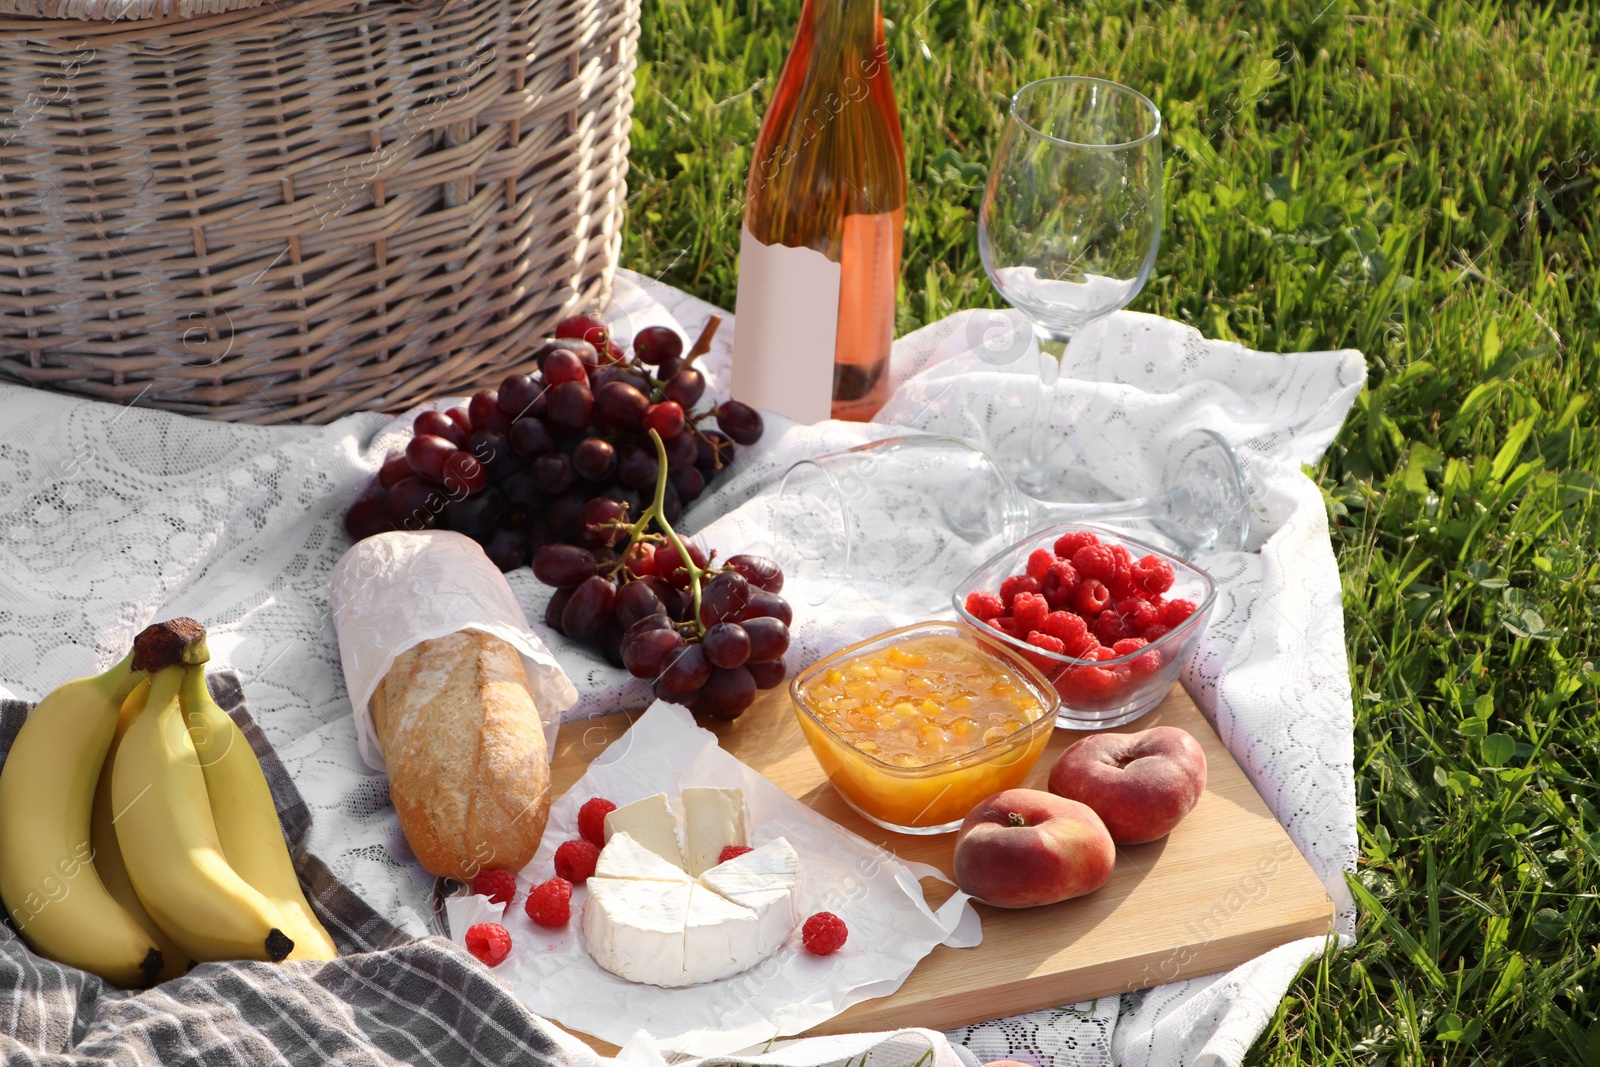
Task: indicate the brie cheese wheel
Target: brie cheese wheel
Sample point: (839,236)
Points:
(713,819)
(648,920)
(623,857)
(634,929)
(767,881)
(651,823)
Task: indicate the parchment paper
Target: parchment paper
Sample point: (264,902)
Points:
(891,926)
(393,591)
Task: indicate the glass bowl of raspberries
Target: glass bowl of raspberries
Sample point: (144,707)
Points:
(1109,620)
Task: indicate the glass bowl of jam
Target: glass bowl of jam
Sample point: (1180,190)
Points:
(917,725)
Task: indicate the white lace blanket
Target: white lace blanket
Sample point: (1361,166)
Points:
(112,517)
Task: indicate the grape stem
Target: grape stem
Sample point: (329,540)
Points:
(702,344)
(658,511)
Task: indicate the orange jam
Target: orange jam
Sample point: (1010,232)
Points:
(917,726)
(923,701)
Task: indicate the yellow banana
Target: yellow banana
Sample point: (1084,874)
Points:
(247,818)
(48,880)
(169,841)
(108,854)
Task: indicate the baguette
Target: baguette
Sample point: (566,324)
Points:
(468,772)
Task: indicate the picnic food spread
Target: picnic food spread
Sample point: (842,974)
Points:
(926,729)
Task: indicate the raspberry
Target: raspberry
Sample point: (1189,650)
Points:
(1068,628)
(1143,666)
(498,886)
(1091,598)
(1175,611)
(1121,582)
(592,820)
(1059,583)
(1015,585)
(1040,560)
(1097,685)
(1140,615)
(1110,627)
(575,860)
(1006,625)
(1067,544)
(1093,685)
(824,933)
(1048,643)
(550,904)
(1096,561)
(489,942)
(982,604)
(1152,576)
(1155,633)
(1030,610)
(733,852)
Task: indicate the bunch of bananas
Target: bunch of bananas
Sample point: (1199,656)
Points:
(137,833)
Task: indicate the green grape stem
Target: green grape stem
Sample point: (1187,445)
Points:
(658,511)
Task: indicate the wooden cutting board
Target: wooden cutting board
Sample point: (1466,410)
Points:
(1224,887)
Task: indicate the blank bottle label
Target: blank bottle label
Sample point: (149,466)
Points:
(786,326)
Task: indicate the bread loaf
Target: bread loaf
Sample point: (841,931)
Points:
(468,772)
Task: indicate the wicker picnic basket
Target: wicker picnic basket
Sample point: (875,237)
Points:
(286,210)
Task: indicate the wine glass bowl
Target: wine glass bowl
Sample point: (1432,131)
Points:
(1071,218)
(926,505)
(902,519)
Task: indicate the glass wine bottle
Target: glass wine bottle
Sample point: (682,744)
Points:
(819,255)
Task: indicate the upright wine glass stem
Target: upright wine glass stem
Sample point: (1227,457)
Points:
(1036,476)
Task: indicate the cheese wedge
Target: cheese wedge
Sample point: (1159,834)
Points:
(766,881)
(634,929)
(652,824)
(713,819)
(623,857)
(720,938)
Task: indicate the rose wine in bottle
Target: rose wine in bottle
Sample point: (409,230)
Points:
(819,255)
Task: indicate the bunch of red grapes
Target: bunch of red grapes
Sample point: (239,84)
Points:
(583,466)
(550,454)
(707,636)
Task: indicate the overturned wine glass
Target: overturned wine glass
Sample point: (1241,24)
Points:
(906,518)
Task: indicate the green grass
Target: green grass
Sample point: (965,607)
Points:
(1416,181)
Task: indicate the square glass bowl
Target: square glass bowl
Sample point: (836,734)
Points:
(929,798)
(1100,694)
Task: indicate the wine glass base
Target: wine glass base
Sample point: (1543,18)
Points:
(1210,506)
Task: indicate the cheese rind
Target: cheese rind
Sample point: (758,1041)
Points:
(713,819)
(720,938)
(623,857)
(766,881)
(651,823)
(634,929)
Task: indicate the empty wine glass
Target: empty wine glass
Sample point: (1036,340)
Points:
(904,519)
(1071,221)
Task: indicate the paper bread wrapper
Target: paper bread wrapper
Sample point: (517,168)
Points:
(393,591)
